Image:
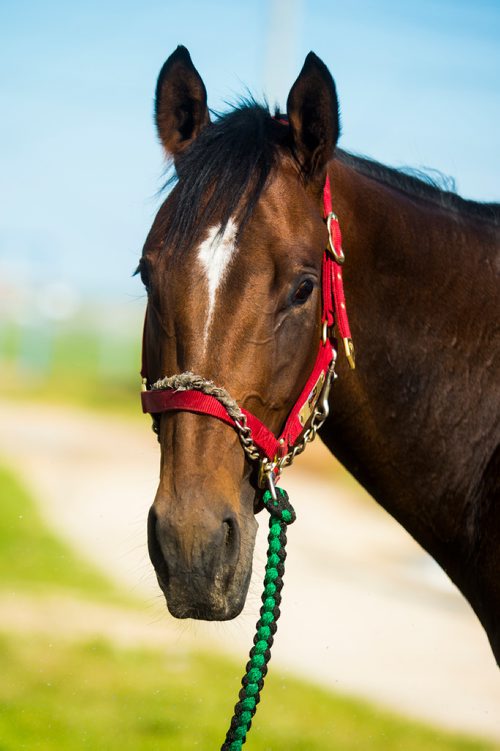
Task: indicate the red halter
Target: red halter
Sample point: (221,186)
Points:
(334,312)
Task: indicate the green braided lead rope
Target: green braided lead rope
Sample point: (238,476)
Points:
(281,515)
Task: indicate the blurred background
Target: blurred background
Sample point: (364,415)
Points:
(395,659)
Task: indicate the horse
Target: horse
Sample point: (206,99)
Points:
(233,271)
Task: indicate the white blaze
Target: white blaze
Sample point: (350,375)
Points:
(215,254)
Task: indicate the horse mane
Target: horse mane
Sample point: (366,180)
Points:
(429,185)
(224,171)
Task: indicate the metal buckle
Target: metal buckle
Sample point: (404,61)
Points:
(338,257)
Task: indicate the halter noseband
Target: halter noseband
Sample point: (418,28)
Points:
(192,393)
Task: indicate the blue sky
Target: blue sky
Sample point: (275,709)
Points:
(80,163)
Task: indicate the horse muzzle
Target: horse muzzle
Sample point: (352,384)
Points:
(203,564)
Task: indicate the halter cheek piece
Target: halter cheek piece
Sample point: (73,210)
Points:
(192,393)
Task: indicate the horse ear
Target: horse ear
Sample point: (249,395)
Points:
(313,114)
(181,110)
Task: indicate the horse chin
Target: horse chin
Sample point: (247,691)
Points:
(217,603)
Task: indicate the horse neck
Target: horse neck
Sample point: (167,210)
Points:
(408,420)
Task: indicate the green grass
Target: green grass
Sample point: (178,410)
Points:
(94,696)
(77,366)
(62,695)
(33,559)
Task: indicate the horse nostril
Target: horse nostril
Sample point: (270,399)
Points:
(154,547)
(231,542)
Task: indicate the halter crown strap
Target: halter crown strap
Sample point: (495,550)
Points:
(334,304)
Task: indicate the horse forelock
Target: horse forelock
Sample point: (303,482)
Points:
(222,174)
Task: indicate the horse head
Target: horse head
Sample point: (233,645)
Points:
(233,271)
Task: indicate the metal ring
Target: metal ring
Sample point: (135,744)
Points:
(339,257)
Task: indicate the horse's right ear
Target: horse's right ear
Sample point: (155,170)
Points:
(181,110)
(313,114)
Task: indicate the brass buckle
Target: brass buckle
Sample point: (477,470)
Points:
(338,257)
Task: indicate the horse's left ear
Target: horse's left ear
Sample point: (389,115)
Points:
(181,110)
(313,114)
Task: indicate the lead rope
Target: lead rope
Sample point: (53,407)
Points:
(281,515)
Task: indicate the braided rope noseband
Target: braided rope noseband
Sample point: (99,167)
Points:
(189,381)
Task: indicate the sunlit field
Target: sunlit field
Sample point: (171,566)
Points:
(377,649)
(62,692)
(79,362)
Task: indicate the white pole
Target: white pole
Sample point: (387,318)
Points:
(283,46)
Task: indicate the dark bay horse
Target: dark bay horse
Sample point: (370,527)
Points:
(232,267)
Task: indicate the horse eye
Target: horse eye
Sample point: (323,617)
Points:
(302,292)
(142,270)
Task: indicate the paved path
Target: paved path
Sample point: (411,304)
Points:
(388,626)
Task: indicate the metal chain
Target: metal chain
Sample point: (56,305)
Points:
(246,440)
(319,416)
(271,470)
